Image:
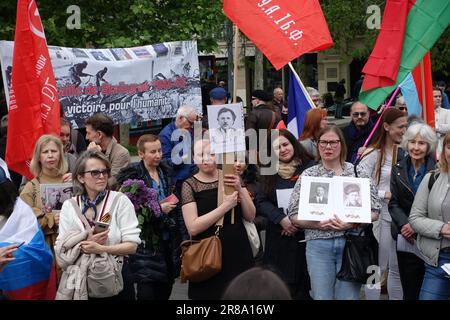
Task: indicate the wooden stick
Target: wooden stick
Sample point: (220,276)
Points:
(235,62)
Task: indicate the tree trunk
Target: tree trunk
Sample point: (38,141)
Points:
(124,134)
(258,82)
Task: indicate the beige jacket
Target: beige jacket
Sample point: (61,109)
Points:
(426,217)
(74,264)
(119,157)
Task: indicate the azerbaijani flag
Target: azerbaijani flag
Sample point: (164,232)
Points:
(26,277)
(425,21)
(298,106)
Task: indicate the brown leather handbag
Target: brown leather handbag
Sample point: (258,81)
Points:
(201,260)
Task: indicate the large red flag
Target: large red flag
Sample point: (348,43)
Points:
(34,105)
(283,29)
(424,84)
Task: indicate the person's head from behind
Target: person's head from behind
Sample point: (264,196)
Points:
(8,193)
(226,118)
(278,95)
(444,160)
(218,96)
(331,145)
(360,114)
(419,141)
(149,150)
(99,127)
(316,119)
(48,156)
(205,161)
(186,117)
(260,97)
(91,174)
(257,284)
(400,104)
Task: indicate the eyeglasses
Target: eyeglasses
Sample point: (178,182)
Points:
(253,98)
(402,108)
(96,173)
(191,123)
(359,114)
(333,143)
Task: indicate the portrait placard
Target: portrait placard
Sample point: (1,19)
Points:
(347,197)
(55,194)
(226,128)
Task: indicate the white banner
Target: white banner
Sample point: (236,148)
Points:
(129,84)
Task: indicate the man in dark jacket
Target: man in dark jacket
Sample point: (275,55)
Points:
(358,130)
(262,118)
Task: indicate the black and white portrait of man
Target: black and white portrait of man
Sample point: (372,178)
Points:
(319,193)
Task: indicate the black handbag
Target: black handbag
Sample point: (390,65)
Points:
(360,252)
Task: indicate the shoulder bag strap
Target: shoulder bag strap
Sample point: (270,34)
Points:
(78,212)
(220,193)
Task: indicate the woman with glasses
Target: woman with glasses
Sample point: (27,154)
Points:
(48,166)
(419,142)
(201,212)
(377,162)
(316,120)
(283,250)
(325,240)
(430,218)
(95,202)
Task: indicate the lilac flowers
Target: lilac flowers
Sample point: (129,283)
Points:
(142,196)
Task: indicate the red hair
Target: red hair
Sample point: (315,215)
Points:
(312,123)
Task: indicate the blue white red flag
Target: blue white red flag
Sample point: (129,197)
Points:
(298,106)
(26,277)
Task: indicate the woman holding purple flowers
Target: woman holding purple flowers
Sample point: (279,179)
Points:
(148,184)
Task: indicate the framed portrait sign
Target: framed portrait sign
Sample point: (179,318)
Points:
(226,128)
(55,194)
(347,197)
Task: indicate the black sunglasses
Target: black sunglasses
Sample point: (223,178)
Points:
(96,173)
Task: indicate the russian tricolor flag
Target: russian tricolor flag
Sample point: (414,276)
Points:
(26,277)
(298,106)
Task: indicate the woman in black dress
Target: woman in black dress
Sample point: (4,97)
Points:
(283,251)
(201,212)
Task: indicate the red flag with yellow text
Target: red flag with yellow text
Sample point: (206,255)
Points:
(34,106)
(282,29)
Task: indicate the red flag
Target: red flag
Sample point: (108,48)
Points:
(34,104)
(283,29)
(281,125)
(424,85)
(382,67)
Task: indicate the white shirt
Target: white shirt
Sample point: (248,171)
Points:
(123,226)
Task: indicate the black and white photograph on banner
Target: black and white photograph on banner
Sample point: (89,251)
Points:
(319,192)
(141,84)
(226,128)
(315,204)
(352,195)
(54,195)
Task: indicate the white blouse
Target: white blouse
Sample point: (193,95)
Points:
(123,225)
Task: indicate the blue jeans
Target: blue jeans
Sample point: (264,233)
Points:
(436,282)
(324,259)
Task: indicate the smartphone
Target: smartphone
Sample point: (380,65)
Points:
(100,227)
(172,199)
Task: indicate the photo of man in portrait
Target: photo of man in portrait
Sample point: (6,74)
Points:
(352,195)
(319,193)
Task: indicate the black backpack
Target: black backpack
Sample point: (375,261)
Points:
(432,180)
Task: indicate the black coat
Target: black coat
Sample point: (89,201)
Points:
(285,254)
(153,264)
(402,194)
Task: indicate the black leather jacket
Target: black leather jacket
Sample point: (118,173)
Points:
(402,194)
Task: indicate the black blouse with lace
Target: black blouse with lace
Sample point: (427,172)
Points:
(236,251)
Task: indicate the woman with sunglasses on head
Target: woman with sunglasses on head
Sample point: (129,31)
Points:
(48,166)
(325,240)
(283,250)
(95,202)
(377,162)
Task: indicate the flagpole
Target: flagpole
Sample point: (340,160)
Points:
(424,96)
(301,85)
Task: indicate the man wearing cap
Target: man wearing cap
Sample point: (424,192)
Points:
(262,117)
(352,197)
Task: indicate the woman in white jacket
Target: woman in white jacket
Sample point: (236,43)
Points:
(95,201)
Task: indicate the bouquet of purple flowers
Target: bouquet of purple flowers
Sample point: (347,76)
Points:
(146,205)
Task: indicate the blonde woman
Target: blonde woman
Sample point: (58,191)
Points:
(48,165)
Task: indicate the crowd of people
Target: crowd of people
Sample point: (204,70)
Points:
(407,163)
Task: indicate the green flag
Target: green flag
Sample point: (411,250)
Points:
(425,23)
